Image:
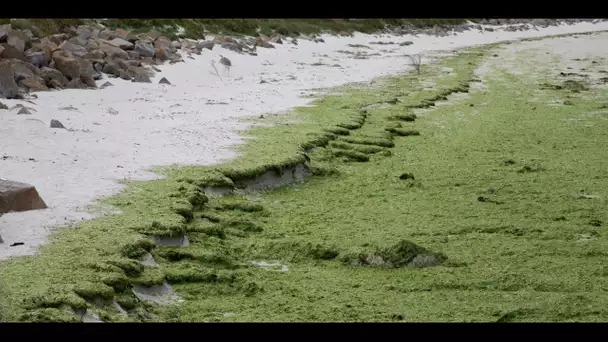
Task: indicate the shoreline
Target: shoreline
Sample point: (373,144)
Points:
(222,126)
(174,275)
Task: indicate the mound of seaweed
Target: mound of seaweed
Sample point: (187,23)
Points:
(401,254)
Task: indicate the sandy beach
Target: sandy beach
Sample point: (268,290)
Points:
(121,131)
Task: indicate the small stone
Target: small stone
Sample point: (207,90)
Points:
(105,85)
(164,81)
(56,124)
(23,110)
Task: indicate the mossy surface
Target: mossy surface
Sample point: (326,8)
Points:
(444,255)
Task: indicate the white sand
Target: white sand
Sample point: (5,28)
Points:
(160,124)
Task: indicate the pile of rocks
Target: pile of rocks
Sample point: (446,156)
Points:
(79,56)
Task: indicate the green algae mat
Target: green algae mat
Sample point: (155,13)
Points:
(465,193)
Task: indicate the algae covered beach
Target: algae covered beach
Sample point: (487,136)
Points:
(473,191)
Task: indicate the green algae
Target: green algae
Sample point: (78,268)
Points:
(497,268)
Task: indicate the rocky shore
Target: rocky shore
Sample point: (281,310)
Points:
(79,56)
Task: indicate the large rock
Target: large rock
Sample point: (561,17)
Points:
(139,74)
(125,35)
(164,42)
(144,49)
(33,84)
(112,50)
(23,70)
(4,30)
(50,74)
(67,64)
(87,72)
(38,56)
(9,51)
(205,45)
(112,68)
(163,53)
(18,40)
(49,43)
(17,196)
(75,50)
(8,87)
(153,35)
(58,38)
(121,43)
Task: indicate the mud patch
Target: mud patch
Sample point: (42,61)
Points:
(157,294)
(87,316)
(148,260)
(274,179)
(172,241)
(270,266)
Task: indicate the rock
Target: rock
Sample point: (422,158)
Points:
(126,64)
(84,32)
(276,39)
(139,74)
(489,29)
(18,40)
(55,84)
(163,54)
(105,85)
(50,74)
(121,43)
(144,49)
(511,28)
(8,87)
(87,72)
(70,31)
(38,56)
(24,111)
(9,52)
(4,30)
(56,124)
(163,42)
(205,45)
(3,106)
(133,55)
(261,42)
(106,35)
(95,56)
(49,43)
(319,40)
(80,41)
(92,44)
(98,67)
(176,44)
(236,47)
(164,81)
(73,49)
(124,75)
(17,196)
(112,51)
(125,35)
(540,22)
(58,38)
(24,69)
(76,83)
(2,48)
(112,67)
(153,35)
(406,43)
(223,39)
(33,85)
(67,64)
(148,61)
(294,41)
